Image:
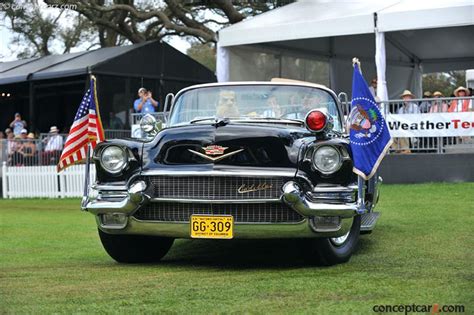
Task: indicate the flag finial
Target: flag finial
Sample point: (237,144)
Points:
(355,60)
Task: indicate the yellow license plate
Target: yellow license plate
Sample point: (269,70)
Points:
(212,226)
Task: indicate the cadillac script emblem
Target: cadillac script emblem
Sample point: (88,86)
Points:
(251,188)
(214,150)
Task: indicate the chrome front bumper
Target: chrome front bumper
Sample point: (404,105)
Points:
(294,197)
(103,200)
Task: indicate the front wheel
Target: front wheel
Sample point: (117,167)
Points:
(135,248)
(336,250)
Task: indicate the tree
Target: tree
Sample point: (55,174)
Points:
(203,53)
(139,20)
(34,32)
(445,82)
(108,23)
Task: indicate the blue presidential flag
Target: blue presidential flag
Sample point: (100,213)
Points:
(369,135)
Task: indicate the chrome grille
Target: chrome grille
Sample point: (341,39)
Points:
(212,187)
(242,213)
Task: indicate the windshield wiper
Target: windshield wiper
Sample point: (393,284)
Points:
(203,119)
(217,121)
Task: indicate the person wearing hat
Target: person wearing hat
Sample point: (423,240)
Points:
(145,102)
(17,124)
(11,145)
(439,106)
(460,105)
(402,145)
(54,146)
(23,134)
(28,150)
(408,107)
(425,105)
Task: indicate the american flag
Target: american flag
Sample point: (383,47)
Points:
(86,128)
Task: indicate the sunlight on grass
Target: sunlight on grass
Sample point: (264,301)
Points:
(421,252)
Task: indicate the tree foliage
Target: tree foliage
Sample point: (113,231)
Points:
(37,31)
(204,54)
(140,20)
(34,31)
(445,82)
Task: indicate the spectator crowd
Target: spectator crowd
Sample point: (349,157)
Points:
(18,147)
(431,102)
(434,102)
(460,101)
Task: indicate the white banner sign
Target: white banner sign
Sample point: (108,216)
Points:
(431,125)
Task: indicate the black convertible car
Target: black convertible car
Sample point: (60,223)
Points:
(235,160)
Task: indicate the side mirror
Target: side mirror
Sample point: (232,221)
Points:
(150,126)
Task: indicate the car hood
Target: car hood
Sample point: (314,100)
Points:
(239,144)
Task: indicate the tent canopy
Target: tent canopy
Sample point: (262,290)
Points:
(420,37)
(47,90)
(145,59)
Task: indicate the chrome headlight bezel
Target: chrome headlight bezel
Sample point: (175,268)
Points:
(121,164)
(327,150)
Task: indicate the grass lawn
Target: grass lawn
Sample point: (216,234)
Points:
(422,252)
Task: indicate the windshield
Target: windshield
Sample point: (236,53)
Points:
(252,102)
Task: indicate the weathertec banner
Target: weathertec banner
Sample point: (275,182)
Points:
(431,125)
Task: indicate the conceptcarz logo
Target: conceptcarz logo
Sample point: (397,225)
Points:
(24,6)
(432,309)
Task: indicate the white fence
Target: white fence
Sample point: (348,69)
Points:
(43,181)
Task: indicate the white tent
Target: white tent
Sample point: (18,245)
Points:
(316,40)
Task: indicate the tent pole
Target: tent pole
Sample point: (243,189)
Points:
(31,105)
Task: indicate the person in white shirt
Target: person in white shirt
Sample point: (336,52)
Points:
(53,148)
(402,145)
(373,87)
(408,107)
(55,141)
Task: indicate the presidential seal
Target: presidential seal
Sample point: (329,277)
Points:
(363,123)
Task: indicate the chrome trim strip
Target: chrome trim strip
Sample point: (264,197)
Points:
(236,172)
(329,189)
(109,187)
(235,223)
(215,201)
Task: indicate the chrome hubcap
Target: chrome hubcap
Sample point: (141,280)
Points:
(338,241)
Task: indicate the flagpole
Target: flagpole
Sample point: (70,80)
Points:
(360,180)
(85,196)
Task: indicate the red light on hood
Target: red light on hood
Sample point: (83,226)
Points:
(316,120)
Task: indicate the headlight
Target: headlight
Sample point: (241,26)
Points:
(147,124)
(327,159)
(113,159)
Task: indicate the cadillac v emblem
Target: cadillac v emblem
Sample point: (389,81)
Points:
(214,150)
(251,188)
